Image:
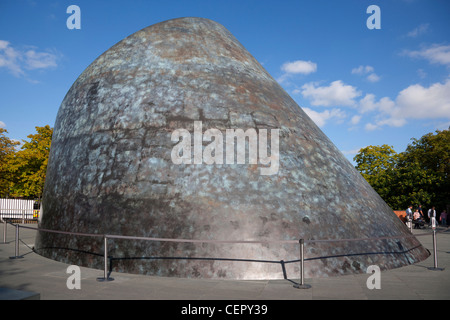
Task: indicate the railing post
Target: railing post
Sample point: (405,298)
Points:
(435,247)
(105,261)
(16,250)
(4,230)
(302,284)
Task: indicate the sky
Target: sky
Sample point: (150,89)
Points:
(365,76)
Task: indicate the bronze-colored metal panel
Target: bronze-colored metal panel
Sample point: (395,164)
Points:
(111,169)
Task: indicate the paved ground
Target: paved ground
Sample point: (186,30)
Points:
(36,274)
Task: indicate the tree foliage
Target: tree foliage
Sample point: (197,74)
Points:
(376,165)
(419,175)
(7,150)
(23,171)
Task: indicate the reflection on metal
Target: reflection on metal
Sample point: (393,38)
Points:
(110,170)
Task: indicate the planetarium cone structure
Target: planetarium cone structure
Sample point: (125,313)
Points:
(177,132)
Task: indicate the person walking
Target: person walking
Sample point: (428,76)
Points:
(419,208)
(417,220)
(409,216)
(443,218)
(431,214)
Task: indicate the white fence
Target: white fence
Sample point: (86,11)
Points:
(18,209)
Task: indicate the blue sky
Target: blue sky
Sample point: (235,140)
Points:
(361,86)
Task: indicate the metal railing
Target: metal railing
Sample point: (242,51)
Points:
(301,243)
(18,209)
(23,215)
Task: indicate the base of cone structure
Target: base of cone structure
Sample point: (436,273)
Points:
(103,279)
(302,286)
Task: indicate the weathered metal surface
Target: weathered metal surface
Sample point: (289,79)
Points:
(110,169)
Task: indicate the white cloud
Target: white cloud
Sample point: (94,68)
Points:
(9,58)
(419,102)
(296,67)
(355,119)
(321,118)
(336,94)
(16,60)
(351,152)
(366,70)
(2,125)
(422,74)
(367,103)
(370,127)
(39,60)
(392,122)
(299,66)
(362,70)
(439,54)
(413,102)
(3,44)
(421,29)
(373,77)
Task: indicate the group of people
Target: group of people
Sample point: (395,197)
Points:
(418,218)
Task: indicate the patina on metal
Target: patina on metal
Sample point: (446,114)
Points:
(111,172)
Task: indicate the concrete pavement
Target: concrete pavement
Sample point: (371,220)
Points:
(33,274)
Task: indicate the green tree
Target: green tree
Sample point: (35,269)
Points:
(377,165)
(29,165)
(408,189)
(419,175)
(425,167)
(7,151)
